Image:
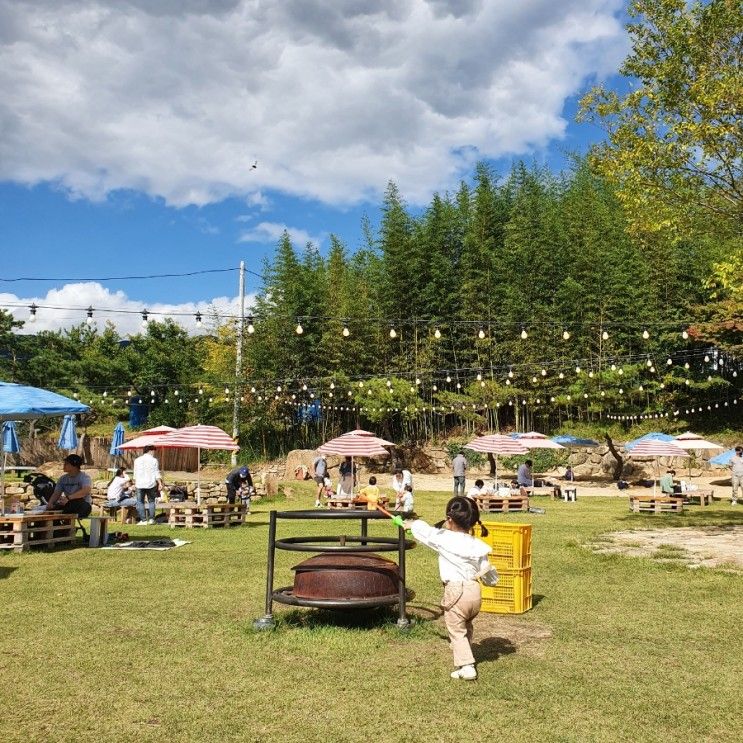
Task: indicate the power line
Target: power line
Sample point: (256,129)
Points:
(125,278)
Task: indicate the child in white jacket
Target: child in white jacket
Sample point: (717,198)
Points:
(462,560)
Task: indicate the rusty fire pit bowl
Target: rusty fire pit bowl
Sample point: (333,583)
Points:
(345,577)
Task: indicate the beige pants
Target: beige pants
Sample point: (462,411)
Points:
(461,604)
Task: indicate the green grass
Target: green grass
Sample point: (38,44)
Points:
(101,645)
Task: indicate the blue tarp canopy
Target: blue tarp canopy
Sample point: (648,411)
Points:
(654,436)
(723,460)
(19,402)
(567,439)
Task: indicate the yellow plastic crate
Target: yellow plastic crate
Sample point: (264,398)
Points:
(512,595)
(511,544)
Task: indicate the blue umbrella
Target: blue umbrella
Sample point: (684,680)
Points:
(10,438)
(723,460)
(68,435)
(19,402)
(567,439)
(654,436)
(117,441)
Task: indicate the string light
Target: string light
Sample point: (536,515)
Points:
(393,332)
(565,335)
(346,331)
(89,319)
(251,327)
(299,329)
(524,334)
(199,323)
(645,334)
(685,334)
(481,333)
(437,334)
(145,318)
(605,336)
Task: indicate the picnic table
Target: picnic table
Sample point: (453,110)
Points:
(656,504)
(502,504)
(21,531)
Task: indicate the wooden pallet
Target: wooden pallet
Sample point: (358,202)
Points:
(659,504)
(496,504)
(20,533)
(705,497)
(192,515)
(339,503)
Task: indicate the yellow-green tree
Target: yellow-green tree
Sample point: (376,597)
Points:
(675,139)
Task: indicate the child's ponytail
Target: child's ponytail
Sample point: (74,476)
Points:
(483,529)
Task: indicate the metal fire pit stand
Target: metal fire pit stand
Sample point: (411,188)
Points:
(362,543)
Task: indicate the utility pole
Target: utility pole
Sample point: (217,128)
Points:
(238,362)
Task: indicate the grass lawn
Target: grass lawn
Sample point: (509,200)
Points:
(127,646)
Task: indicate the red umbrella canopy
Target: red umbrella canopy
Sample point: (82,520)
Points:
(691,440)
(657,449)
(141,441)
(497,444)
(198,437)
(356,444)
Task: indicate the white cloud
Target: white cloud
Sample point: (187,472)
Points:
(177,98)
(271,232)
(66,306)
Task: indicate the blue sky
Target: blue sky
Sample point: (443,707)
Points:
(130,129)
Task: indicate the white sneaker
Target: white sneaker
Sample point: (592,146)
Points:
(733,502)
(465,672)
(151,521)
(318,504)
(141,523)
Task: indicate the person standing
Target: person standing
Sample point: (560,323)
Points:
(72,491)
(459,467)
(236,481)
(736,470)
(348,478)
(148,482)
(320,467)
(400,479)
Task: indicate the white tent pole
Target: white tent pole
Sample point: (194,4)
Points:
(198,475)
(2,485)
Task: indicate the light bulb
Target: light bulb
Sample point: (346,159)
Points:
(534,380)
(613,367)
(479,377)
(524,334)
(565,335)
(332,385)
(448,378)
(590,374)
(648,363)
(577,370)
(388,383)
(89,320)
(508,381)
(544,372)
(685,334)
(645,334)
(669,362)
(561,375)
(299,329)
(251,327)
(435,388)
(481,334)
(510,373)
(621,371)
(437,334)
(686,365)
(32,310)
(145,318)
(304,388)
(706,359)
(393,333)
(605,336)
(199,323)
(346,331)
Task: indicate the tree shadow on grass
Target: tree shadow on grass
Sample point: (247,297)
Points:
(6,571)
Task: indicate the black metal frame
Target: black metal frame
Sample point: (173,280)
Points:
(363,543)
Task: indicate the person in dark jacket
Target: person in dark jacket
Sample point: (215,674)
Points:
(236,480)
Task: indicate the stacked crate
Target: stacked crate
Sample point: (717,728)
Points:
(511,556)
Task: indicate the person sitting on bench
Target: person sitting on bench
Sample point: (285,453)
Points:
(666,483)
(525,478)
(72,492)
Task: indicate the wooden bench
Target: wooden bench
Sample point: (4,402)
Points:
(339,503)
(498,504)
(124,513)
(655,504)
(207,515)
(705,497)
(23,531)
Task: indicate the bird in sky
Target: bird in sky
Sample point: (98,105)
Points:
(254,165)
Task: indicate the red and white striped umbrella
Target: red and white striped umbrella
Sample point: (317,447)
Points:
(657,449)
(691,440)
(198,437)
(652,448)
(534,440)
(150,437)
(355,444)
(368,434)
(496,443)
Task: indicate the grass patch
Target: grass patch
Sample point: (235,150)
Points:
(160,646)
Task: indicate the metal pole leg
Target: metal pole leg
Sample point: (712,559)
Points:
(267,621)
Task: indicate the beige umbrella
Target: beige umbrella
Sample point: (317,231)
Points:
(693,442)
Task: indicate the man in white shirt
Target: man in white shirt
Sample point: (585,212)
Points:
(736,472)
(148,482)
(400,479)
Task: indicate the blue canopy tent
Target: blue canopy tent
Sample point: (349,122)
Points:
(654,436)
(724,459)
(574,442)
(20,402)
